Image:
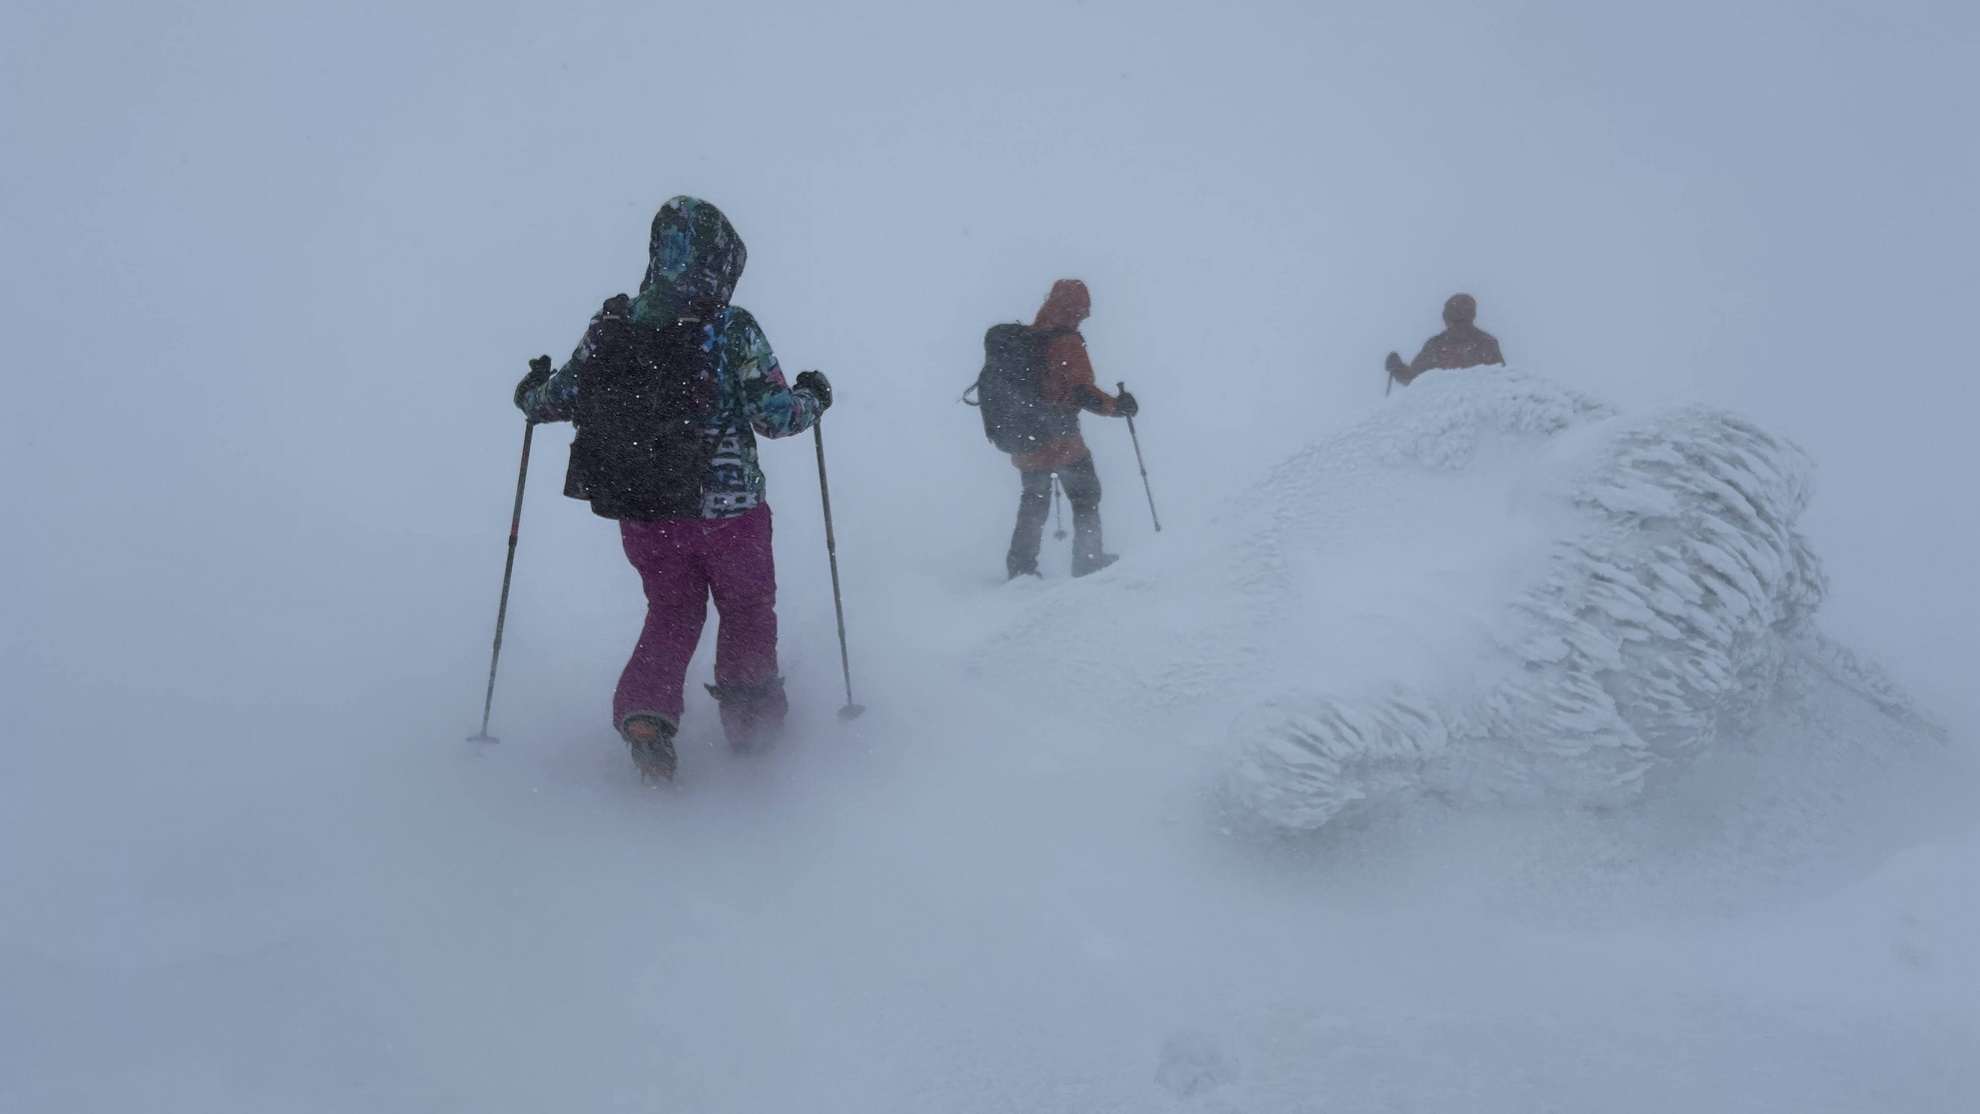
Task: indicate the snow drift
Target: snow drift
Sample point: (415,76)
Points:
(1492,587)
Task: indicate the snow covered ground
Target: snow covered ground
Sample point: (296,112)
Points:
(1493,588)
(1016,883)
(1672,628)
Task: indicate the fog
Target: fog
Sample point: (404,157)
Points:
(271,273)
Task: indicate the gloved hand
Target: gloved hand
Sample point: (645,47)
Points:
(819,387)
(1125,405)
(1395,364)
(539,374)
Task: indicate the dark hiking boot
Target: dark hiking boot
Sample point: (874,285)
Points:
(752,715)
(1032,571)
(1090,565)
(652,741)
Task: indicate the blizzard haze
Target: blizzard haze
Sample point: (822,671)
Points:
(271,273)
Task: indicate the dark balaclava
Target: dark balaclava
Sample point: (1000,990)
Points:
(1461,309)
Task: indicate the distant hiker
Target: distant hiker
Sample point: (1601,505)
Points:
(668,391)
(1461,344)
(1035,381)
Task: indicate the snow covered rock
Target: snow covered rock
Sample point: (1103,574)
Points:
(1674,607)
(1491,587)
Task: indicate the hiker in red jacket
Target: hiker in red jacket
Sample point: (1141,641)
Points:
(1461,344)
(1066,389)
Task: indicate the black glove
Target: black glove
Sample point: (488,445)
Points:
(819,386)
(539,374)
(1125,405)
(1395,364)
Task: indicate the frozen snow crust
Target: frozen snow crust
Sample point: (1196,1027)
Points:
(1667,611)
(1493,588)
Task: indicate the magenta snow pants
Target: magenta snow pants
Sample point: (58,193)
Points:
(681,563)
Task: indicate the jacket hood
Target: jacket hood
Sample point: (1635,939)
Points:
(1461,309)
(1065,307)
(694,259)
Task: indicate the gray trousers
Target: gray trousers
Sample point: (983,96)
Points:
(1082,487)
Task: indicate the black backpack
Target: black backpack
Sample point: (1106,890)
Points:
(639,454)
(1010,392)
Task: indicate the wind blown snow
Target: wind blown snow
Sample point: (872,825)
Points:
(1553,600)
(1481,749)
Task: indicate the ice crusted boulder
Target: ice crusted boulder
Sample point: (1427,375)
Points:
(1672,607)
(1490,587)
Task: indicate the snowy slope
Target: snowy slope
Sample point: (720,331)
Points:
(273,270)
(1490,588)
(1006,888)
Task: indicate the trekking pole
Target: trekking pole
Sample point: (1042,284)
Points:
(508,569)
(1058,532)
(1144,467)
(851,711)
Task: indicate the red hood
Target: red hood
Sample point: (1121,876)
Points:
(1065,307)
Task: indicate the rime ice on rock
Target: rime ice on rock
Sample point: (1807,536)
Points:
(1672,609)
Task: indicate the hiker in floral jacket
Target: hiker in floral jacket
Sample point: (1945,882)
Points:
(695,258)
